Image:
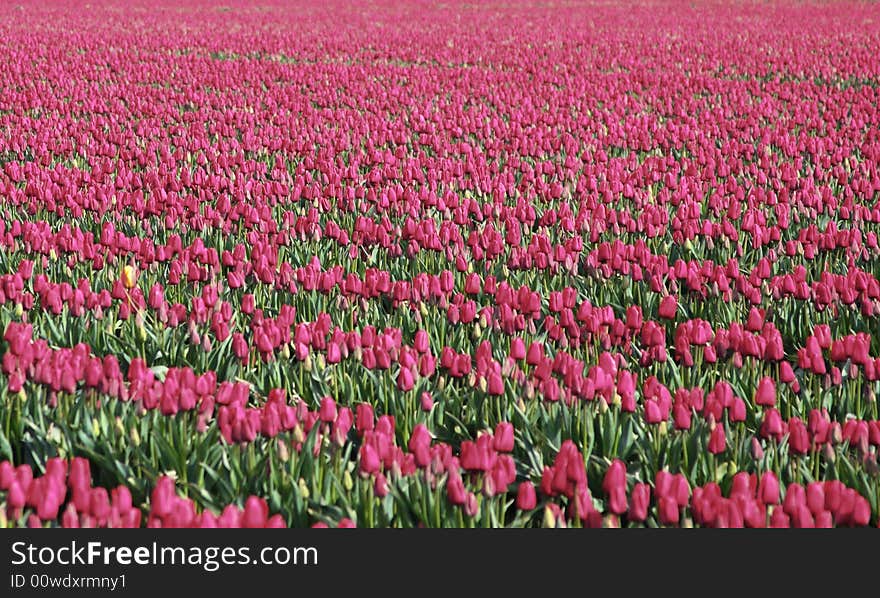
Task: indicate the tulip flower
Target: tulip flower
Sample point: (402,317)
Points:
(765,395)
(614,485)
(503,438)
(717,440)
(641,496)
(129,276)
(668,307)
(768,489)
(526,499)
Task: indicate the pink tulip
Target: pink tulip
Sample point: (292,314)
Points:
(526,499)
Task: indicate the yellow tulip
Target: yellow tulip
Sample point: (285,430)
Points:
(129,277)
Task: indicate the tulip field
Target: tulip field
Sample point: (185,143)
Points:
(405,264)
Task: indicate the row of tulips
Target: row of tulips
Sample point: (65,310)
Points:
(64,496)
(63,370)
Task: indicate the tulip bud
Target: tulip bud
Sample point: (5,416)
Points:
(757,450)
(283,451)
(347,482)
(829,453)
(836,433)
(549,518)
(299,435)
(303,489)
(471,505)
(489,489)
